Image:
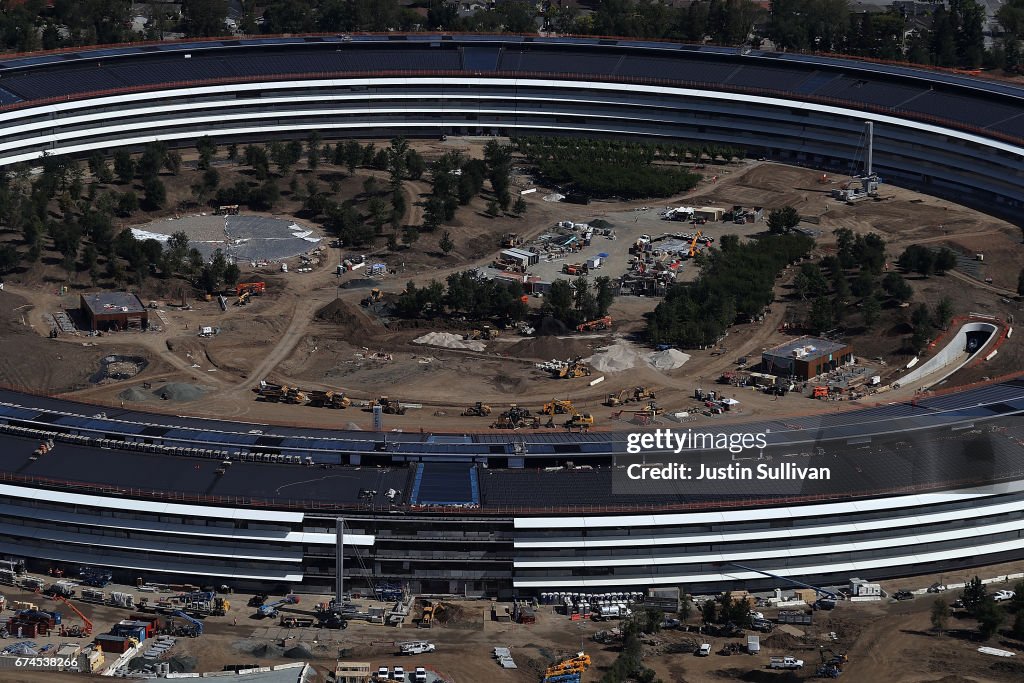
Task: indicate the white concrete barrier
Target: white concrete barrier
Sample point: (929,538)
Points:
(952,357)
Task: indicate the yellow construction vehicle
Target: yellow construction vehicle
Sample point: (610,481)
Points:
(616,399)
(643,394)
(572,370)
(581,421)
(486,332)
(243,299)
(329,399)
(389,406)
(693,244)
(375,297)
(516,418)
(295,395)
(566,667)
(558,407)
(477,410)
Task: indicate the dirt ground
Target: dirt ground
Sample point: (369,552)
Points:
(309,329)
(885,641)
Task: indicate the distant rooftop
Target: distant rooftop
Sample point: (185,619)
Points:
(813,346)
(110,302)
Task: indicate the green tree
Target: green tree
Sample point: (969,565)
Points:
(204,17)
(943,312)
(940,615)
(781,221)
(446,243)
(155,194)
(127,203)
(8,258)
(709,612)
(559,301)
(895,286)
(604,294)
(410,235)
(871,311)
(124,166)
(822,315)
(207,149)
(492,209)
(519,208)
(973,594)
(990,617)
(1020,283)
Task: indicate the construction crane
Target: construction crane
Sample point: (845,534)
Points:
(270,609)
(593,325)
(86,628)
(568,670)
(693,244)
(197,626)
(826,602)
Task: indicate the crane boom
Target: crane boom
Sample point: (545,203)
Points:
(86,624)
(817,591)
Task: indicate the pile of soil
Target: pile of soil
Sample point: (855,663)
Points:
(300,651)
(781,640)
(179,392)
(448,340)
(549,327)
(182,664)
(549,348)
(345,315)
(618,357)
(361,283)
(135,395)
(669,359)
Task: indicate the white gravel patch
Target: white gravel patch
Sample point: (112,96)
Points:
(449,341)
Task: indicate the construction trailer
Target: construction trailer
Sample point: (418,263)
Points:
(520,257)
(353,672)
(709,213)
(106,311)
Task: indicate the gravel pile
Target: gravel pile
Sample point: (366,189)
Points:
(300,651)
(135,394)
(449,341)
(618,357)
(670,359)
(179,391)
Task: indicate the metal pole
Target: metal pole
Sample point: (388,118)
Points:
(339,561)
(871,143)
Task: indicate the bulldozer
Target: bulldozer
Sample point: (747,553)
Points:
(486,333)
(643,394)
(581,421)
(576,368)
(477,410)
(516,418)
(558,407)
(616,399)
(375,297)
(389,406)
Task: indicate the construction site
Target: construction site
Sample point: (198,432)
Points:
(317,329)
(85,624)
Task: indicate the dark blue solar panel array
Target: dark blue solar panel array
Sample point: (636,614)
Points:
(7,97)
(438,483)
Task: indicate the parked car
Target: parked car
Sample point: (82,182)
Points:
(1000,596)
(704,650)
(937,588)
(903,595)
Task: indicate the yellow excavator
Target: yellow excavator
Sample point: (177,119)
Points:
(558,407)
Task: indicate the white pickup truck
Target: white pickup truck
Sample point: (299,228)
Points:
(416,647)
(785,663)
(1001,596)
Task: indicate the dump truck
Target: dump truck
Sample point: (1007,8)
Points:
(329,399)
(477,410)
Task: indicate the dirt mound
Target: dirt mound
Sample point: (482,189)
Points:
(669,359)
(135,394)
(348,317)
(300,651)
(361,283)
(549,348)
(449,341)
(182,664)
(179,391)
(781,640)
(549,327)
(618,357)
